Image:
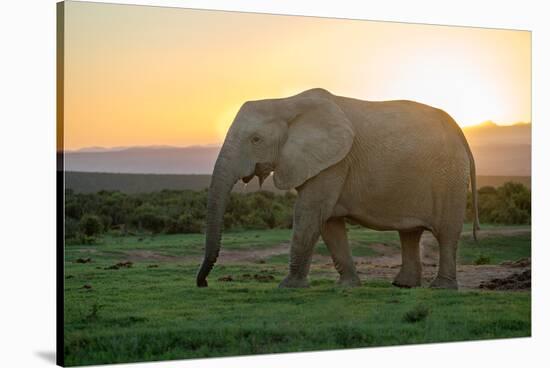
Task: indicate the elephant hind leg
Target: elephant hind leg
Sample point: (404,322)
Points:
(335,237)
(446,273)
(410,274)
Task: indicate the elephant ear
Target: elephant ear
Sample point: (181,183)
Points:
(319,135)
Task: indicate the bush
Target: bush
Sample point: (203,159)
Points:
(419,313)
(508,204)
(90,225)
(149,217)
(180,212)
(72,228)
(482,260)
(188,224)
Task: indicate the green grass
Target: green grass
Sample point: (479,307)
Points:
(153,313)
(495,249)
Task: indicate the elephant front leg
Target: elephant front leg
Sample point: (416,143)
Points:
(304,237)
(314,205)
(410,274)
(335,237)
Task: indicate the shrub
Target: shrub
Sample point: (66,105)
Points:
(187,223)
(90,225)
(419,313)
(174,211)
(149,217)
(482,260)
(72,228)
(508,204)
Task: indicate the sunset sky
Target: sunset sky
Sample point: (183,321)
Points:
(137,75)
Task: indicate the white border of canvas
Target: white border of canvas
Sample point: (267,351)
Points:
(27,211)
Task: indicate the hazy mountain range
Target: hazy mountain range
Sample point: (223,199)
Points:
(501,150)
(498,150)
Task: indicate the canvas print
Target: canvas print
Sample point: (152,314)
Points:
(238,183)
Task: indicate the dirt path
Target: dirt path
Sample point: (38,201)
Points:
(253,255)
(385,265)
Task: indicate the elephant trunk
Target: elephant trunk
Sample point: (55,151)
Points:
(224,178)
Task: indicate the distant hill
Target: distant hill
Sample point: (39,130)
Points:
(489,133)
(148,160)
(85,182)
(501,150)
(498,150)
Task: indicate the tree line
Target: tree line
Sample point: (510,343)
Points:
(88,215)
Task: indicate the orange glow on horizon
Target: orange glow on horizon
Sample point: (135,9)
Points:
(139,75)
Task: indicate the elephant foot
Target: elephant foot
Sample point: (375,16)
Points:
(349,281)
(291,282)
(407,280)
(441,282)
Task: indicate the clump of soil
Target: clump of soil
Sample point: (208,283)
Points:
(259,277)
(153,266)
(87,287)
(523,262)
(227,278)
(517,281)
(482,260)
(83,260)
(126,264)
(263,278)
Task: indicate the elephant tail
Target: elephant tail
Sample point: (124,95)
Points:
(474,192)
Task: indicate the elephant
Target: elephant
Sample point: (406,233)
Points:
(386,165)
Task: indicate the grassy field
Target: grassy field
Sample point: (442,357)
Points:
(151,310)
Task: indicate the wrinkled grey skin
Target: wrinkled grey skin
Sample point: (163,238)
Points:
(392,165)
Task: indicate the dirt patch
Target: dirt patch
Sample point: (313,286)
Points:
(253,255)
(523,262)
(148,255)
(387,256)
(468,276)
(126,264)
(471,276)
(226,255)
(385,265)
(260,277)
(263,278)
(383,249)
(83,260)
(87,250)
(516,281)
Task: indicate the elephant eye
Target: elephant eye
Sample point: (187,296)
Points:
(255,139)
